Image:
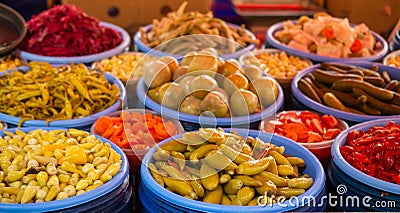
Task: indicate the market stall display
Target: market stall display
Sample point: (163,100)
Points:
(12,28)
(365,160)
(211,182)
(135,131)
(203,85)
(392,59)
(198,73)
(312,130)
(124,66)
(325,38)
(79,38)
(66,95)
(353,91)
(206,31)
(276,63)
(50,169)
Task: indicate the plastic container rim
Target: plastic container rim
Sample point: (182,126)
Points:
(87,58)
(144,48)
(76,200)
(338,159)
(239,120)
(390,55)
(328,110)
(277,44)
(315,189)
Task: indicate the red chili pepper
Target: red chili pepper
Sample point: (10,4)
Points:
(328,33)
(375,152)
(356,46)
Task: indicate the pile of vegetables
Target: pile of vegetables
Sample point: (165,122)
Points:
(375,152)
(206,29)
(55,93)
(304,126)
(216,167)
(135,130)
(365,91)
(42,166)
(65,30)
(202,82)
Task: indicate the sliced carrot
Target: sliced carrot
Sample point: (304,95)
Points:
(158,119)
(314,137)
(171,128)
(331,134)
(125,116)
(293,127)
(116,120)
(303,136)
(127,125)
(291,135)
(329,120)
(151,124)
(119,130)
(103,123)
(108,132)
(288,116)
(115,140)
(138,127)
(161,131)
(137,117)
(124,143)
(316,126)
(148,116)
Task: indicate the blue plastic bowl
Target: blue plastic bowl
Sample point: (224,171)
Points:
(194,121)
(303,99)
(82,201)
(142,47)
(343,165)
(313,168)
(126,40)
(80,123)
(271,40)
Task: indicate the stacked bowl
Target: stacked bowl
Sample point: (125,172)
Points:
(373,194)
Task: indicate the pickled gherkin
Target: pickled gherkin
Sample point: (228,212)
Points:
(222,170)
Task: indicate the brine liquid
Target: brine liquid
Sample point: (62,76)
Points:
(8,32)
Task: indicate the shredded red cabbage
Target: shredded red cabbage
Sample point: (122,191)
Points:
(65,30)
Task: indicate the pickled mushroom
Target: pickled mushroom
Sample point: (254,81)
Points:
(267,90)
(156,73)
(179,72)
(171,95)
(201,85)
(172,63)
(252,72)
(190,105)
(185,83)
(234,82)
(215,103)
(241,98)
